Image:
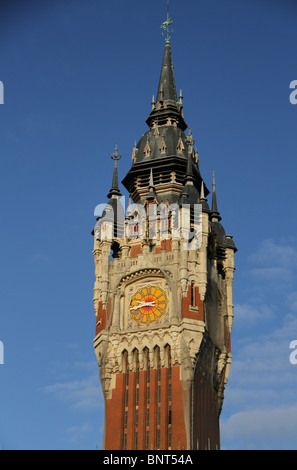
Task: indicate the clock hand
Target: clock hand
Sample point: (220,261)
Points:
(143,304)
(136,307)
(150,304)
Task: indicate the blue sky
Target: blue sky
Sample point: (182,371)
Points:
(79,76)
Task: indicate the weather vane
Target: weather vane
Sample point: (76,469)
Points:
(166,24)
(116,156)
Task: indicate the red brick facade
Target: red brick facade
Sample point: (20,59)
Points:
(136,420)
(102,317)
(192,305)
(114,416)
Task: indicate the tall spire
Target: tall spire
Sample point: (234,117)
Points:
(215,215)
(167,87)
(167,109)
(167,104)
(114,191)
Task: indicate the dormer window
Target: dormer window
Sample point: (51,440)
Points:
(134,152)
(147,149)
(163,147)
(156,133)
(180,146)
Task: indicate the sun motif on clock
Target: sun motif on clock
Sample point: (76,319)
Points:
(148,304)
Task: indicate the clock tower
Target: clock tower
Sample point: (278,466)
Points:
(163,291)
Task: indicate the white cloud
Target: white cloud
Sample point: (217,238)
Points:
(264,359)
(246,314)
(262,383)
(272,273)
(260,406)
(81,394)
(271,253)
(76,434)
(272,428)
(292,301)
(274,261)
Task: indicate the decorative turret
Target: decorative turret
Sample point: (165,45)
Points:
(220,240)
(114,191)
(190,194)
(202,199)
(215,215)
(112,219)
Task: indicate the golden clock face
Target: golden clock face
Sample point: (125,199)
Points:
(148,304)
